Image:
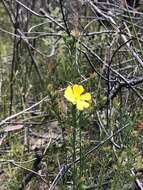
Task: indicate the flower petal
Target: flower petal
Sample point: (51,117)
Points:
(82,104)
(69,95)
(86,96)
(78,90)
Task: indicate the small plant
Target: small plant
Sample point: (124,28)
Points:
(80,101)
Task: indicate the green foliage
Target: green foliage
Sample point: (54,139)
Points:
(37,72)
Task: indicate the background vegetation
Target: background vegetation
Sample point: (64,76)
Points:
(45,143)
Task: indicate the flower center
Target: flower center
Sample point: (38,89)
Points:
(77,97)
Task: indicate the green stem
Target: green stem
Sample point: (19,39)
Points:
(74,146)
(81,156)
(82,164)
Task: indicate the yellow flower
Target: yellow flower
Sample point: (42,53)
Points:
(75,95)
